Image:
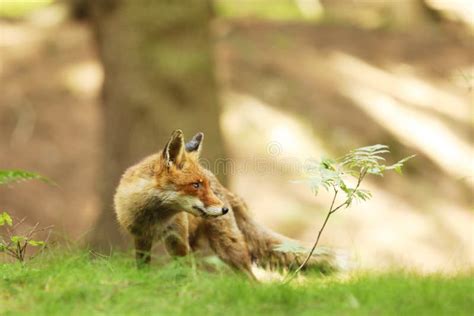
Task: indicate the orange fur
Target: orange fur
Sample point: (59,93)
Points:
(170,196)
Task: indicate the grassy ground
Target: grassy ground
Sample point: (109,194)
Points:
(78,284)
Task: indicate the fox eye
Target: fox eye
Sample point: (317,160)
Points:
(196,185)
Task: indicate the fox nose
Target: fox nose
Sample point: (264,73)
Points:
(225,210)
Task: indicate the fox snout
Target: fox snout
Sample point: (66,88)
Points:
(220,211)
(211,211)
(209,204)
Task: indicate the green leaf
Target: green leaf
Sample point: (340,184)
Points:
(36,243)
(290,246)
(325,173)
(398,165)
(398,169)
(17,239)
(331,174)
(328,164)
(362,195)
(375,170)
(5,219)
(12,176)
(401,163)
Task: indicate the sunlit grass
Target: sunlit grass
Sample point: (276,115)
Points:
(77,283)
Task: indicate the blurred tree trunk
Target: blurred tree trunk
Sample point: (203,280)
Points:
(158,63)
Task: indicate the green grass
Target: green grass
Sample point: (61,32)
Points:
(77,284)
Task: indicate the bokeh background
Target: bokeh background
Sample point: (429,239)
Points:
(87,89)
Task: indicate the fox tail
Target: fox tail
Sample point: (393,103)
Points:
(274,251)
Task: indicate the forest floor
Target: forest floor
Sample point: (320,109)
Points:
(78,283)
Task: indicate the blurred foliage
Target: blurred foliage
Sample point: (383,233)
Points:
(20,8)
(368,14)
(267,9)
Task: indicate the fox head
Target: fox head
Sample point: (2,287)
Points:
(185,183)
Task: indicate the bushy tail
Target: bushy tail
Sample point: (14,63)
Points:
(266,249)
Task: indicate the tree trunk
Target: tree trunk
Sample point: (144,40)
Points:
(158,63)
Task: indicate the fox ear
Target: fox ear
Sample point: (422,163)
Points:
(173,153)
(195,144)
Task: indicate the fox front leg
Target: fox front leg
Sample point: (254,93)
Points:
(227,241)
(143,246)
(176,236)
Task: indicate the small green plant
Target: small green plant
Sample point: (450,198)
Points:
(12,243)
(15,245)
(335,176)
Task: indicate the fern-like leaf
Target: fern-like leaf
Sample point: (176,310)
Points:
(13,176)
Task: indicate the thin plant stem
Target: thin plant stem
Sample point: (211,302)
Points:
(316,242)
(331,211)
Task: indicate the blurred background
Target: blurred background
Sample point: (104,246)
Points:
(90,87)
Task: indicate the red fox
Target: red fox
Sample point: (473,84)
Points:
(170,196)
